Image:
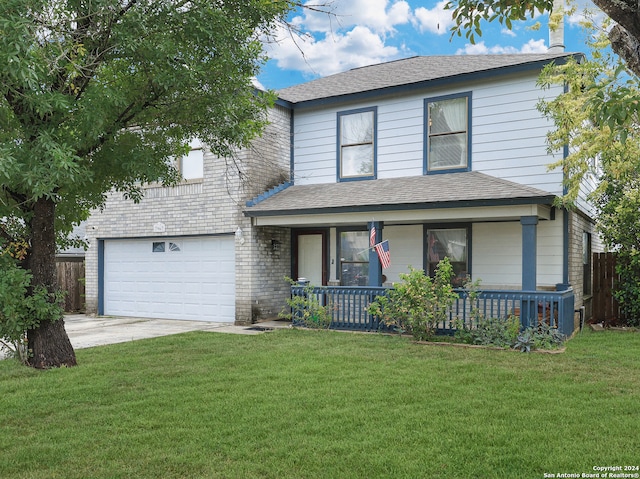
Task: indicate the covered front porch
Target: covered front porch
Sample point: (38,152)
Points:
(508,236)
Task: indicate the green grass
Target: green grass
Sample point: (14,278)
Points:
(322,404)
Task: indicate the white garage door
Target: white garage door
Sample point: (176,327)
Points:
(176,278)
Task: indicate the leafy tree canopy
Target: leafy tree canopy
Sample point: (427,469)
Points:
(97,95)
(624,34)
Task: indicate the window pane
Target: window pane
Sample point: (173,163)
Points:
(158,247)
(448,116)
(354,258)
(354,274)
(356,128)
(448,151)
(192,165)
(450,243)
(354,246)
(357,161)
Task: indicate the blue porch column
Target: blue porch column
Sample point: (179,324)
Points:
(529,309)
(529,252)
(375,268)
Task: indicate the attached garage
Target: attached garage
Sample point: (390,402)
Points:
(176,278)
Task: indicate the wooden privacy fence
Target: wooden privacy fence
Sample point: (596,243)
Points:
(71,280)
(605,278)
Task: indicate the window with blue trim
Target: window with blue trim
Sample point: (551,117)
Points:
(448,133)
(356,144)
(452,243)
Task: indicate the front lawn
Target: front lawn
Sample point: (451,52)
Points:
(323,404)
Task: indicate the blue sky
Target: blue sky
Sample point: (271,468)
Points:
(366,32)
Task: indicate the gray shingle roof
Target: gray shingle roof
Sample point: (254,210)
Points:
(416,192)
(409,71)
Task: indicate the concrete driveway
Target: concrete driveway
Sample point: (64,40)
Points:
(86,331)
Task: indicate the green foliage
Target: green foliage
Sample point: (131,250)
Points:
(306,309)
(627,290)
(598,118)
(469,14)
(542,336)
(498,332)
(418,303)
(100,96)
(21,306)
(619,224)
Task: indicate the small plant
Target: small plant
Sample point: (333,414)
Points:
(542,336)
(498,332)
(306,309)
(525,341)
(16,348)
(22,306)
(419,303)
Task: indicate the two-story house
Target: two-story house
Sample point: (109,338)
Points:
(444,156)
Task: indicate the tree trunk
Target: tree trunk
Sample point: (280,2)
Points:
(49,342)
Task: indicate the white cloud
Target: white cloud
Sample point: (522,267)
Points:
(354,34)
(380,16)
(437,20)
(507,32)
(480,48)
(335,52)
(534,46)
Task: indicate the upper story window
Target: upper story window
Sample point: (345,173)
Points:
(356,144)
(192,165)
(448,133)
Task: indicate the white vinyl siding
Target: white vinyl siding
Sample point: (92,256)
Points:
(497,254)
(405,246)
(508,135)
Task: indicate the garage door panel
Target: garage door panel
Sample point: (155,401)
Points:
(197,282)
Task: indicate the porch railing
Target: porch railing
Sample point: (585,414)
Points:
(348,307)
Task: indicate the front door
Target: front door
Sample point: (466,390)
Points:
(310,257)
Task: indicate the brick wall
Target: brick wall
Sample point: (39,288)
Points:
(579,224)
(211,206)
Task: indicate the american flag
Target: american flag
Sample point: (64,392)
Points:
(383,253)
(372,237)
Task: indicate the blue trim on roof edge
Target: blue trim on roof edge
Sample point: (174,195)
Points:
(269,193)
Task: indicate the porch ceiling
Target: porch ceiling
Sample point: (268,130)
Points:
(468,196)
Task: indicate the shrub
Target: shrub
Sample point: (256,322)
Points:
(539,337)
(21,306)
(498,332)
(418,303)
(306,309)
(627,291)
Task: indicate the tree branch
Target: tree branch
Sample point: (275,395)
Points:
(626,46)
